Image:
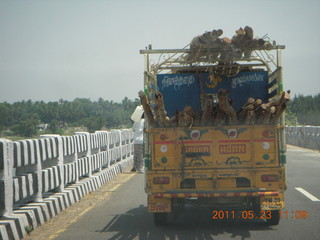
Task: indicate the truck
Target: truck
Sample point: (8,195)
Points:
(214,134)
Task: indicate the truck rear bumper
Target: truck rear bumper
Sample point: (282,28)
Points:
(263,200)
(214,194)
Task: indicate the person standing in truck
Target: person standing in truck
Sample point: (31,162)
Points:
(137,128)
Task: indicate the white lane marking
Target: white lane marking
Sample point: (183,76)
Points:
(307,194)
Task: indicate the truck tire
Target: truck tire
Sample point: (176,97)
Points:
(160,219)
(275,218)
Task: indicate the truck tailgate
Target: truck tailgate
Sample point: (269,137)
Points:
(227,147)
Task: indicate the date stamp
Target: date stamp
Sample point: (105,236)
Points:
(266,215)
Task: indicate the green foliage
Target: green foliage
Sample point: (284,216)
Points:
(94,123)
(29,228)
(304,110)
(26,128)
(23,117)
(291,118)
(54,126)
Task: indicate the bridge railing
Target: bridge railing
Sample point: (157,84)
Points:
(304,136)
(29,168)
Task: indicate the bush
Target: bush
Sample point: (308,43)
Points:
(27,128)
(94,123)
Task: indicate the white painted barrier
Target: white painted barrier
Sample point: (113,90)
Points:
(304,136)
(35,170)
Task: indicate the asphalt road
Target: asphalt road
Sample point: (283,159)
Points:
(123,213)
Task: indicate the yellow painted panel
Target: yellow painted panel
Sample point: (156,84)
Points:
(205,184)
(159,204)
(154,187)
(226,147)
(264,132)
(226,183)
(232,148)
(265,152)
(223,179)
(164,148)
(232,132)
(195,148)
(275,184)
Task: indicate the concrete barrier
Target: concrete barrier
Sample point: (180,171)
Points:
(41,177)
(304,136)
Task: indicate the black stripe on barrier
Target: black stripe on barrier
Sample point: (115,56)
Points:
(28,143)
(50,209)
(9,231)
(27,184)
(35,209)
(28,215)
(1,156)
(2,202)
(68,198)
(43,177)
(47,149)
(17,225)
(75,194)
(15,154)
(42,150)
(19,188)
(54,204)
(59,200)
(36,150)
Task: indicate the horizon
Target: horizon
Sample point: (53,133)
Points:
(51,50)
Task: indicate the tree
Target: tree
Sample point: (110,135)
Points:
(22,116)
(306,109)
(26,128)
(94,123)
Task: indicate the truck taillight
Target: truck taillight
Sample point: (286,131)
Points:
(161,180)
(269,178)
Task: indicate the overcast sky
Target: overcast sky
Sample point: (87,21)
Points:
(67,49)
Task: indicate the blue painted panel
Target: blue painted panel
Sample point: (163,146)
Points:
(180,90)
(241,87)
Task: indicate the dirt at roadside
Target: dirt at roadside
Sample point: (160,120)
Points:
(301,148)
(57,224)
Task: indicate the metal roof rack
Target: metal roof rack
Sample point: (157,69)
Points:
(173,60)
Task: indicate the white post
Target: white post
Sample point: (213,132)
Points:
(76,165)
(99,150)
(7,177)
(60,158)
(121,152)
(88,149)
(38,195)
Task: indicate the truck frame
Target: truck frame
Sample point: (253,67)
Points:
(233,169)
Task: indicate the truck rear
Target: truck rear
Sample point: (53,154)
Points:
(214,134)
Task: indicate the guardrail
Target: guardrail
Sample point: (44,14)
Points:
(304,136)
(31,168)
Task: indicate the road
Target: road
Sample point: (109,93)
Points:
(118,211)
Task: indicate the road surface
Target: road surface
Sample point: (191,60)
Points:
(118,211)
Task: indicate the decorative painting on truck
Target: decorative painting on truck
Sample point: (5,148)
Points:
(183,89)
(179,90)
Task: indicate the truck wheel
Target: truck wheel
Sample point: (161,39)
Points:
(160,219)
(275,218)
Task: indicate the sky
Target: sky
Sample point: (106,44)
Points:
(67,49)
